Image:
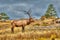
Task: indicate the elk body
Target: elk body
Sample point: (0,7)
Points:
(21,23)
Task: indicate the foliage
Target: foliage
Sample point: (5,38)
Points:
(43,18)
(44,24)
(53,36)
(51,11)
(4,16)
(42,38)
(37,24)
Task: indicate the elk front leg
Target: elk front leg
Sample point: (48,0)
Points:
(23,28)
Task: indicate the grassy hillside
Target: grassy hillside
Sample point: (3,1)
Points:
(32,32)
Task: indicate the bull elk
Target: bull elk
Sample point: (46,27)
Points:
(21,23)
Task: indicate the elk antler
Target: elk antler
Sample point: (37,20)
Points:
(28,12)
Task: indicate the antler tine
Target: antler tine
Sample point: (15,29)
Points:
(29,12)
(24,11)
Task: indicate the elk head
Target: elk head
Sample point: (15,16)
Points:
(31,19)
(29,15)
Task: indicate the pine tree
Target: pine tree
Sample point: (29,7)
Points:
(3,16)
(51,12)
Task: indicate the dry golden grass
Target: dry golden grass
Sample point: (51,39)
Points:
(6,34)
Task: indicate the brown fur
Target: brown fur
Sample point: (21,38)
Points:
(21,23)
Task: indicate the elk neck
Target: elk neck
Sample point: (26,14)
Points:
(29,21)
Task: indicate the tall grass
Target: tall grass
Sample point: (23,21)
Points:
(5,33)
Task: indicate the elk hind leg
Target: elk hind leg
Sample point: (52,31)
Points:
(12,29)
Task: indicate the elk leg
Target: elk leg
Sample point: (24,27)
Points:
(23,28)
(12,29)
